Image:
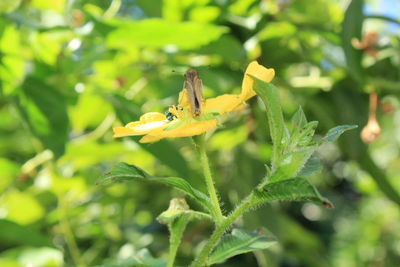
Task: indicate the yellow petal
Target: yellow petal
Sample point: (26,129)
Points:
(149,122)
(226,103)
(258,71)
(223,103)
(189,129)
(152,116)
(123,131)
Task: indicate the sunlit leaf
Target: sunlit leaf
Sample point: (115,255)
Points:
(8,171)
(9,5)
(279,29)
(239,242)
(56,5)
(158,33)
(42,256)
(9,262)
(205,14)
(20,207)
(11,62)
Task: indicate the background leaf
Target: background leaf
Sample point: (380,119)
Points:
(184,35)
(16,234)
(352,28)
(44,109)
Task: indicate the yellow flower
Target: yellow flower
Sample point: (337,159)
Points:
(180,121)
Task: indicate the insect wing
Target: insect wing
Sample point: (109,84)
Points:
(193,85)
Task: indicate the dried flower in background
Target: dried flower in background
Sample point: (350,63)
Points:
(371,131)
(368,43)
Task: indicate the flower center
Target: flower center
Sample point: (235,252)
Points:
(175,112)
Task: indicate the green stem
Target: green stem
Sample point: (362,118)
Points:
(68,235)
(176,233)
(217,213)
(220,230)
(388,19)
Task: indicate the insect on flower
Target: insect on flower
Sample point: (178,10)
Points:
(194,89)
(193,115)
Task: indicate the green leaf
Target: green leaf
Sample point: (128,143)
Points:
(269,94)
(178,208)
(294,189)
(123,172)
(14,234)
(298,120)
(302,136)
(33,256)
(158,33)
(45,111)
(168,154)
(7,6)
(240,242)
(276,29)
(291,163)
(312,165)
(306,133)
(176,217)
(335,132)
(151,8)
(227,47)
(126,111)
(352,28)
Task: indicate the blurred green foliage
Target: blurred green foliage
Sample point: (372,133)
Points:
(70,70)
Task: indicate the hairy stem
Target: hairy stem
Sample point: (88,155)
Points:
(176,233)
(220,230)
(217,213)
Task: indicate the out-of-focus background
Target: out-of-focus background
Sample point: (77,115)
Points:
(70,70)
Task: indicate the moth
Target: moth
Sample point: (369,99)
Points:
(194,88)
